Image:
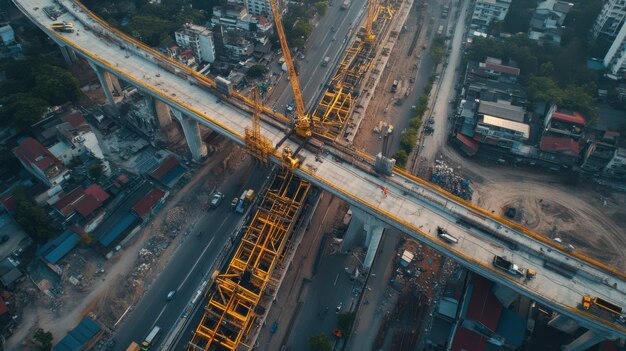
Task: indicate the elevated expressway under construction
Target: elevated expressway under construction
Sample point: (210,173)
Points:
(401,200)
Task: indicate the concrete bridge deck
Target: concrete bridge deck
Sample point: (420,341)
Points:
(411,204)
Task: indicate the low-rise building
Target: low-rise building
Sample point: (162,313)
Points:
(546,24)
(617,165)
(564,123)
(40,162)
(563,151)
(597,156)
(500,132)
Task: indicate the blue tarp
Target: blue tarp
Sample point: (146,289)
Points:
(118,229)
(512,327)
(76,339)
(56,249)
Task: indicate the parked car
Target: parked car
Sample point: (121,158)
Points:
(233,204)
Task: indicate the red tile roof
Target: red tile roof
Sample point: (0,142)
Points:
(165,167)
(502,68)
(573,117)
(560,144)
(97,192)
(3,307)
(469,143)
(66,204)
(467,340)
(76,120)
(30,151)
(144,206)
(87,205)
(484,307)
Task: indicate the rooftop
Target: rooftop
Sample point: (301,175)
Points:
(522,128)
(573,117)
(502,109)
(560,144)
(144,206)
(30,151)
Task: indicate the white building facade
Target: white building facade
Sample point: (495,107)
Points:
(487,11)
(610,20)
(199,39)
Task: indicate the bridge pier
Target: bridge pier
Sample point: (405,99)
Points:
(504,294)
(583,342)
(362,222)
(564,324)
(191,129)
(68,55)
(107,82)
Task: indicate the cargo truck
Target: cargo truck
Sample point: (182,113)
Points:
(345,5)
(325,61)
(149,340)
(508,266)
(601,307)
(246,197)
(65,27)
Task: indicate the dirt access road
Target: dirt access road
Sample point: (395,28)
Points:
(589,217)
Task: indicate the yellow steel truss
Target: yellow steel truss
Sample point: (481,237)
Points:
(234,297)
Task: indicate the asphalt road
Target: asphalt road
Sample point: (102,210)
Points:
(189,265)
(319,45)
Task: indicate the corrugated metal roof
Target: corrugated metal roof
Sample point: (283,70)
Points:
(76,339)
(96,191)
(144,206)
(118,229)
(466,340)
(512,327)
(61,246)
(484,307)
(507,124)
(502,109)
(167,165)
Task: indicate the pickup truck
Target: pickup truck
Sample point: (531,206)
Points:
(508,266)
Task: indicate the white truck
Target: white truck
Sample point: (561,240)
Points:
(149,340)
(325,61)
(508,266)
(345,5)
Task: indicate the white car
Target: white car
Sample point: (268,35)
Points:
(216,200)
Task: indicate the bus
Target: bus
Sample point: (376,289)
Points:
(63,27)
(149,340)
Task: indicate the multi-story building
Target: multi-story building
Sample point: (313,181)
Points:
(546,25)
(487,11)
(501,132)
(610,19)
(40,162)
(199,39)
(615,58)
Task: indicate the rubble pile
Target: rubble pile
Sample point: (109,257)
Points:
(175,219)
(445,177)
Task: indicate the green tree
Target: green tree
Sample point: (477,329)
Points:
(321,7)
(543,89)
(56,85)
(22,110)
(408,140)
(32,218)
(401,157)
(44,338)
(256,71)
(96,171)
(320,342)
(152,30)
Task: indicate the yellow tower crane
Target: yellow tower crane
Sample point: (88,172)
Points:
(257,144)
(302,121)
(369,22)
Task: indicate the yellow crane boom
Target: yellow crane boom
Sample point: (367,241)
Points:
(369,22)
(302,122)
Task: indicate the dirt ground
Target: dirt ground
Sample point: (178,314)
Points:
(109,294)
(589,217)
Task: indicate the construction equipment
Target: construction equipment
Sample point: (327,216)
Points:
(256,143)
(133,347)
(369,22)
(302,121)
(508,266)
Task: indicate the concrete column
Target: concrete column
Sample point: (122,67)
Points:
(505,294)
(160,111)
(583,342)
(106,85)
(363,223)
(191,129)
(564,324)
(68,54)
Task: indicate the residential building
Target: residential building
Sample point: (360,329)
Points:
(260,7)
(617,165)
(488,11)
(615,58)
(502,109)
(9,47)
(40,162)
(564,123)
(610,19)
(80,201)
(561,150)
(237,48)
(597,156)
(546,24)
(199,39)
(500,132)
(493,69)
